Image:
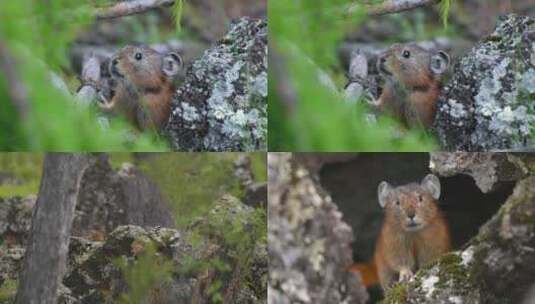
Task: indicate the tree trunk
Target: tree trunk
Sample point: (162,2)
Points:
(46,254)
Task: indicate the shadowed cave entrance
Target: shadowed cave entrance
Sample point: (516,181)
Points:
(353,183)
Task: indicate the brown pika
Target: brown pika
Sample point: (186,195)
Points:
(143,86)
(413,233)
(412,83)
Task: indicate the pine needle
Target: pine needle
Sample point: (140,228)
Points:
(445,6)
(177,10)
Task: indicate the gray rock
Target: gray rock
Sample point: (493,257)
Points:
(110,198)
(309,244)
(487,169)
(222,105)
(255,192)
(94,277)
(489,101)
(15,219)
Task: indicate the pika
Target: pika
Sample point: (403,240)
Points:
(413,78)
(143,86)
(413,233)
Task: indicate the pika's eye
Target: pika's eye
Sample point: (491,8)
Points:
(406,54)
(397,203)
(420,198)
(138,56)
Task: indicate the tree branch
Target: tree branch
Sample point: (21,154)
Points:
(131,7)
(391,6)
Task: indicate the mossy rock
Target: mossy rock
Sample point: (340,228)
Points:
(488,102)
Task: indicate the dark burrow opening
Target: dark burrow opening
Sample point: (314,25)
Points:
(352,185)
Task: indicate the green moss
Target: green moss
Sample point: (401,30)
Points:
(450,268)
(9,190)
(396,295)
(259,166)
(118,158)
(8,290)
(24,167)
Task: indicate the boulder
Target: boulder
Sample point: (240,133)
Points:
(488,102)
(15,219)
(222,104)
(109,198)
(309,243)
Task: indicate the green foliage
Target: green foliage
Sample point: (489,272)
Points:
(26,168)
(37,34)
(304,35)
(178,10)
(146,276)
(25,189)
(259,166)
(238,241)
(8,290)
(118,158)
(193,181)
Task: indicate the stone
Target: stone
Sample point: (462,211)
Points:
(222,104)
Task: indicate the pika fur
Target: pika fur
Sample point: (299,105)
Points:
(144,86)
(413,233)
(412,83)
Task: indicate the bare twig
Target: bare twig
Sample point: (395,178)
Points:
(131,7)
(391,6)
(15,87)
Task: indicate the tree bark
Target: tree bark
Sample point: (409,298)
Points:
(46,253)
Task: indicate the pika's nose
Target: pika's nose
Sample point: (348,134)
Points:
(382,59)
(411,214)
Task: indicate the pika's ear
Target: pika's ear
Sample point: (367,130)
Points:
(431,184)
(383,191)
(172,64)
(439,62)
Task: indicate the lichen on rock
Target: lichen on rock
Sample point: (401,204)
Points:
(487,169)
(309,243)
(488,102)
(222,104)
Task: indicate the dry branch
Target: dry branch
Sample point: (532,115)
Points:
(127,8)
(390,6)
(15,87)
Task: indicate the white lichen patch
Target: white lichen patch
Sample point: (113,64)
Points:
(467,256)
(501,69)
(317,251)
(456,109)
(455,300)
(295,286)
(510,122)
(189,113)
(494,256)
(259,85)
(223,90)
(428,285)
(528,81)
